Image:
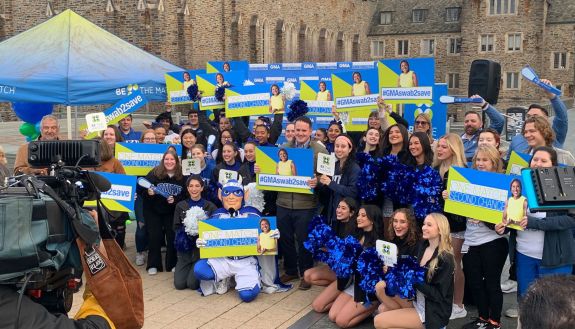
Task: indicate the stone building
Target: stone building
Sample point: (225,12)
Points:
(190,32)
(456,32)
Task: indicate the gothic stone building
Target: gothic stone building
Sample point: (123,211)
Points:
(190,32)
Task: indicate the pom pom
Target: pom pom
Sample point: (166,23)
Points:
(288,90)
(343,254)
(193,215)
(400,279)
(368,180)
(427,192)
(255,197)
(370,269)
(183,242)
(318,238)
(297,109)
(398,180)
(193,92)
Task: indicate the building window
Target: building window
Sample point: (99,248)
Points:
(454,46)
(402,47)
(452,14)
(377,49)
(486,43)
(512,80)
(502,7)
(385,17)
(559,61)
(418,15)
(453,80)
(514,42)
(427,47)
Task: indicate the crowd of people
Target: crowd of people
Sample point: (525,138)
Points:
(456,251)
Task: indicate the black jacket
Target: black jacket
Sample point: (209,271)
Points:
(34,315)
(343,184)
(157,203)
(438,291)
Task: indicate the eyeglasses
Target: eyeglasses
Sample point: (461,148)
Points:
(421,123)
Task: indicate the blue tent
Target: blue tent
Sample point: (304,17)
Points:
(69,60)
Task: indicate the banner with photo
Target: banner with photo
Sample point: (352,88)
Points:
(229,237)
(485,196)
(284,169)
(120,110)
(120,197)
(227,66)
(207,85)
(436,110)
(139,158)
(350,95)
(407,81)
(177,84)
(309,89)
(517,161)
(248,100)
(282,72)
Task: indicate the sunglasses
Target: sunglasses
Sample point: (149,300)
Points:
(421,123)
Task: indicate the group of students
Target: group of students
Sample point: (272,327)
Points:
(453,249)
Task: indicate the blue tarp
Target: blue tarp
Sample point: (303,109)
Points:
(69,60)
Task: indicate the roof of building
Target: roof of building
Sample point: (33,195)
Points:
(402,11)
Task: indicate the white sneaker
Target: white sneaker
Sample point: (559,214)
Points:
(509,286)
(140,258)
(152,271)
(512,312)
(222,286)
(457,312)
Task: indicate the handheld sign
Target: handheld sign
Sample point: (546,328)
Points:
(326,164)
(146,184)
(529,74)
(191,166)
(225,175)
(96,122)
(387,252)
(455,100)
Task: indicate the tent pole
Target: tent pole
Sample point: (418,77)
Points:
(75,121)
(69,121)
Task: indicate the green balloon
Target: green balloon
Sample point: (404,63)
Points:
(28,129)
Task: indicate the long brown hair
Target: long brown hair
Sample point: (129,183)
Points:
(160,170)
(412,236)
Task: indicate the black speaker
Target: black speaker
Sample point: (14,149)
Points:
(485,79)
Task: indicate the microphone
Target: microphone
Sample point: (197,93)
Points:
(101,183)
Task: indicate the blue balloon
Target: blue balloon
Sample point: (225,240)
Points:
(32,112)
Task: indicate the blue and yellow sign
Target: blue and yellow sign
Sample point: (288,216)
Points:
(177,84)
(517,161)
(480,195)
(207,84)
(120,110)
(284,169)
(227,66)
(139,158)
(120,197)
(248,100)
(228,237)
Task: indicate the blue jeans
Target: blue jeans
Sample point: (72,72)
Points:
(529,269)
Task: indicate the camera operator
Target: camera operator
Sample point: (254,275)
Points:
(33,315)
(49,131)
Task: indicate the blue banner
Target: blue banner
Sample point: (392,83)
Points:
(139,158)
(120,197)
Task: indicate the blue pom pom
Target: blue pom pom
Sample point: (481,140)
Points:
(343,254)
(221,91)
(319,237)
(298,108)
(427,192)
(183,242)
(401,279)
(369,178)
(193,92)
(370,269)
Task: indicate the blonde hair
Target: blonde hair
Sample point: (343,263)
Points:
(3,159)
(444,247)
(492,154)
(458,154)
(427,118)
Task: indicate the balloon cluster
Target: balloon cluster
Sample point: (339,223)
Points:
(31,114)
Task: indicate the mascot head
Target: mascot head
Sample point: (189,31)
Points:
(232,195)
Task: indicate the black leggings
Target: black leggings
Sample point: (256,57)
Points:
(482,266)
